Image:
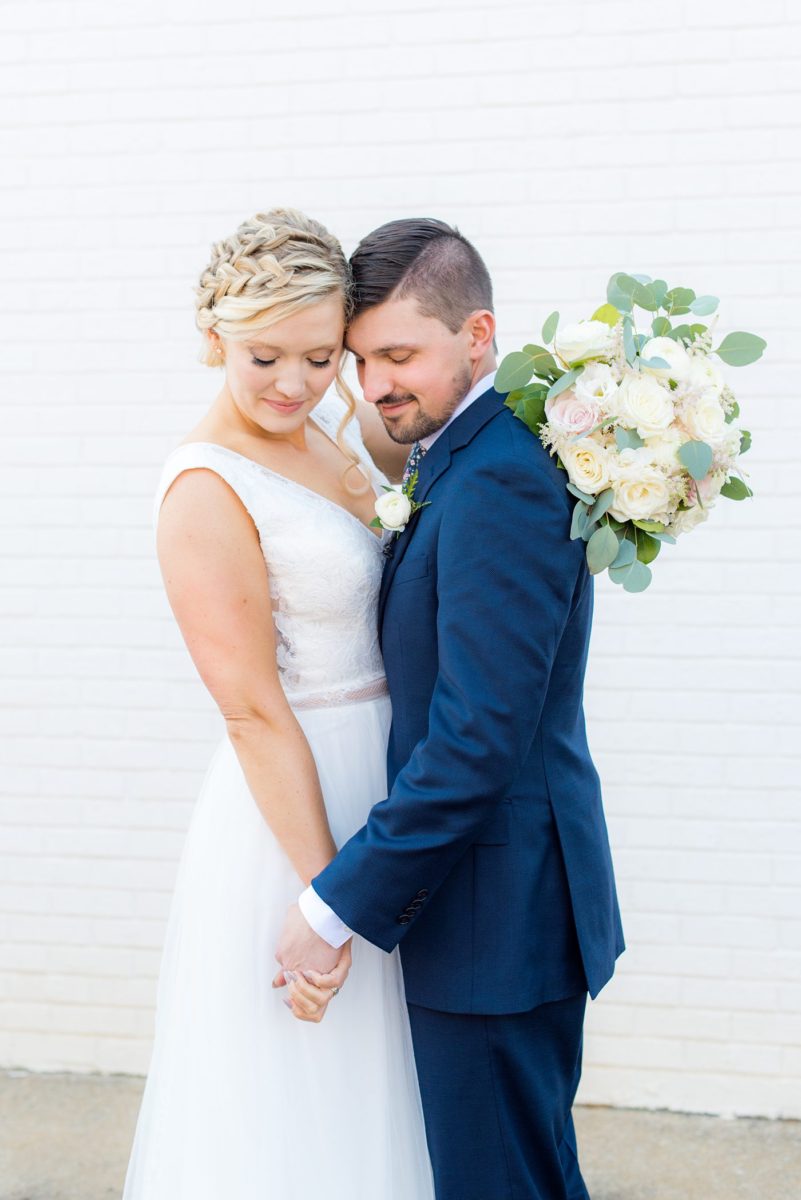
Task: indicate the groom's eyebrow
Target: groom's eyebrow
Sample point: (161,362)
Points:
(386,349)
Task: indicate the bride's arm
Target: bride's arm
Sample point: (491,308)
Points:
(216,581)
(390,457)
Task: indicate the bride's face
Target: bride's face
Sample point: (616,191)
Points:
(276,376)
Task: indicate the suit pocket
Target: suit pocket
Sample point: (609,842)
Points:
(496,829)
(414,566)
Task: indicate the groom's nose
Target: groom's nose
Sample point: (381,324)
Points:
(376,382)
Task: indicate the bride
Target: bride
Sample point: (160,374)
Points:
(272,573)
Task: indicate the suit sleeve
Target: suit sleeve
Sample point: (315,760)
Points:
(507,577)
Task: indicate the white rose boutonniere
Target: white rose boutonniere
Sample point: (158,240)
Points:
(395,509)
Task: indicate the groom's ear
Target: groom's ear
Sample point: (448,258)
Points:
(480,329)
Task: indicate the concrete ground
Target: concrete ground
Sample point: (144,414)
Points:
(67,1137)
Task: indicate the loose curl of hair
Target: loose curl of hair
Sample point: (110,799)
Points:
(275,264)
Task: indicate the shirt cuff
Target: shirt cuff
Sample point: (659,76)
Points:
(323,920)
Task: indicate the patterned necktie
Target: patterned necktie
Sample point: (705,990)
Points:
(413,462)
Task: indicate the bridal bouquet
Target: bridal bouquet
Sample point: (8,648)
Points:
(644,424)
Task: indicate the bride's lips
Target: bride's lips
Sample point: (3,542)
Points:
(284,408)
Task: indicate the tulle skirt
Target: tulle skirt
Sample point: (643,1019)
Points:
(242,1101)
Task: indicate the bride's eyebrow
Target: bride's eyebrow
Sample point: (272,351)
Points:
(314,350)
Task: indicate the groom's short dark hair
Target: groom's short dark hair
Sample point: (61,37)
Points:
(426,259)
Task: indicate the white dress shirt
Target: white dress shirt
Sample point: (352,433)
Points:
(322,918)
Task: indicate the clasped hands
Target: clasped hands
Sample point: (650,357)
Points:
(312,970)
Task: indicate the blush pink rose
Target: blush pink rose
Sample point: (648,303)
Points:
(569,414)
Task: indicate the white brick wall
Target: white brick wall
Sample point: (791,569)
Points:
(568,140)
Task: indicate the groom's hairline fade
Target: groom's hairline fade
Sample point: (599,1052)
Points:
(426,259)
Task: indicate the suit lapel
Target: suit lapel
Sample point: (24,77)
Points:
(433,465)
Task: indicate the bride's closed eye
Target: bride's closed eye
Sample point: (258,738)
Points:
(270,362)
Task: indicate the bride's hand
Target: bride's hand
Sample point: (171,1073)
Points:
(310,992)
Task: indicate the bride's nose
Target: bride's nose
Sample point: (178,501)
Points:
(290,384)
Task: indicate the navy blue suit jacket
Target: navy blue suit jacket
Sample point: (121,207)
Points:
(489,861)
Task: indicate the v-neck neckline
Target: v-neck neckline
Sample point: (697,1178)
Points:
(377,538)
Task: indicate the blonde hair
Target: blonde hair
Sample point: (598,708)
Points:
(275,264)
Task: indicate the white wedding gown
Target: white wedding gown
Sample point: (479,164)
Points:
(243,1101)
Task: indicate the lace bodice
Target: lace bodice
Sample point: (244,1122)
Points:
(324,568)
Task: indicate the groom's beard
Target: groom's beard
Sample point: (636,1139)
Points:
(416,424)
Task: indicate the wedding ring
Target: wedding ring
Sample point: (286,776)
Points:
(334,991)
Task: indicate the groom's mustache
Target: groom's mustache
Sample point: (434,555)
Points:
(392,400)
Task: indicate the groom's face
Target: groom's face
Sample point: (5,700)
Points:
(412,367)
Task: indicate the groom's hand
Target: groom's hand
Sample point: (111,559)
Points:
(300,948)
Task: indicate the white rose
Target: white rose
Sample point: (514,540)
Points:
(586,463)
(596,385)
(685,520)
(568,414)
(577,343)
(673,353)
(641,493)
(644,404)
(393,510)
(705,420)
(663,449)
(704,374)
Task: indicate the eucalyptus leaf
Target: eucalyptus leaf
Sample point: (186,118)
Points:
(602,549)
(577,492)
(544,362)
(634,577)
(681,333)
(579,521)
(733,413)
(625,555)
(550,327)
(745,441)
(667,538)
(697,458)
(602,505)
(702,306)
(735,489)
(561,385)
(678,300)
(661,327)
(628,340)
(654,362)
(616,295)
(740,349)
(637,287)
(659,291)
(628,439)
(608,314)
(514,372)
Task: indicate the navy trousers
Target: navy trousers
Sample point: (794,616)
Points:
(497,1093)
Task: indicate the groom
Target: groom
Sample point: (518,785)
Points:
(489,862)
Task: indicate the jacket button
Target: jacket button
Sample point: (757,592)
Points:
(404,919)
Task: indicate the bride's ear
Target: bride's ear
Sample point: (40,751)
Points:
(215,351)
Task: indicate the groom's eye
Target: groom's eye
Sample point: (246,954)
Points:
(399,361)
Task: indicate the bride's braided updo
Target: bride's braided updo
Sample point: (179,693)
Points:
(275,264)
